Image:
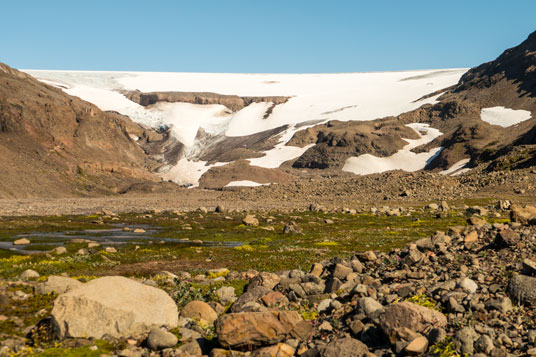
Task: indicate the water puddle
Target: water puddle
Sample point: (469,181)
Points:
(105,237)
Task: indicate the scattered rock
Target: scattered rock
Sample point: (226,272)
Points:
(158,339)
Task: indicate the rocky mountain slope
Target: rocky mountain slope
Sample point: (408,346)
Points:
(53,144)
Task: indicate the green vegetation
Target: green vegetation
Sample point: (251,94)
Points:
(192,240)
(425,301)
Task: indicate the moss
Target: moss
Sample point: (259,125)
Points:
(425,301)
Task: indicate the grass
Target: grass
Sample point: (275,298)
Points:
(264,248)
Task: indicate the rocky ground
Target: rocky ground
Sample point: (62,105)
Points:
(466,291)
(333,190)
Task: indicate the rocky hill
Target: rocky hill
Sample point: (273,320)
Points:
(509,81)
(53,144)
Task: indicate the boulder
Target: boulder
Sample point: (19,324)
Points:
(113,305)
(264,279)
(522,215)
(255,328)
(250,220)
(59,250)
(199,310)
(57,284)
(279,350)
(344,347)
(250,296)
(464,340)
(417,346)
(158,339)
(226,294)
(415,317)
(22,241)
(522,289)
(29,274)
(292,228)
(506,238)
(341,271)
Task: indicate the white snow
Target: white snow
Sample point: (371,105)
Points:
(314,97)
(454,169)
(404,159)
(187,172)
(504,117)
(244,183)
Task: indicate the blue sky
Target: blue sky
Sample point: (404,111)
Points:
(290,36)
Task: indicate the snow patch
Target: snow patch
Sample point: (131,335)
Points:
(454,168)
(188,173)
(404,159)
(245,183)
(504,117)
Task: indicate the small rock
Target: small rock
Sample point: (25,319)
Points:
(467,285)
(250,220)
(29,274)
(139,230)
(464,340)
(417,347)
(199,310)
(158,339)
(292,228)
(110,250)
(59,250)
(21,241)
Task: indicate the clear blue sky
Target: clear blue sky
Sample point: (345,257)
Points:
(286,36)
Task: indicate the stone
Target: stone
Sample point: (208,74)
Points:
(484,344)
(29,274)
(345,347)
(471,237)
(250,220)
(325,326)
(368,256)
(93,245)
(279,350)
(316,269)
(21,241)
(529,267)
(250,296)
(220,209)
(57,284)
(356,266)
(522,289)
(502,305)
(139,230)
(82,251)
(324,305)
(467,285)
(464,340)
(425,244)
(370,307)
(275,299)
(255,328)
(292,228)
(341,271)
(200,311)
(190,349)
(226,295)
(110,250)
(220,352)
(506,238)
(415,317)
(113,305)
(417,347)
(522,214)
(158,339)
(203,209)
(414,256)
(264,279)
(59,250)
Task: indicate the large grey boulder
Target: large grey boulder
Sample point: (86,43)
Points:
(113,305)
(412,316)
